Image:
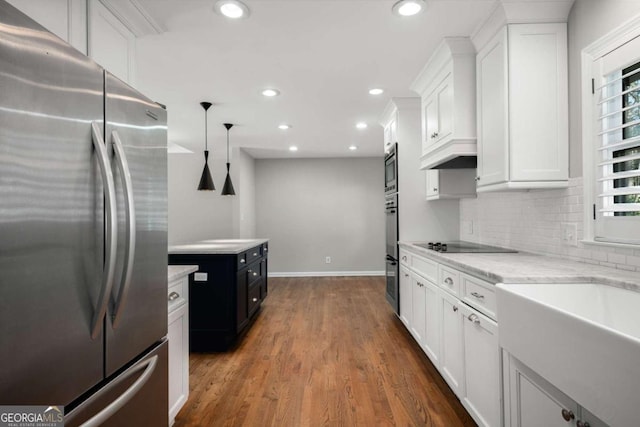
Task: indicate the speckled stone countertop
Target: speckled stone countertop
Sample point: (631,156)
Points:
(222,246)
(524,267)
(178,271)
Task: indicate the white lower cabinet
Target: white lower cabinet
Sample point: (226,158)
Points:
(460,339)
(178,335)
(482,367)
(534,401)
(451,357)
(406,294)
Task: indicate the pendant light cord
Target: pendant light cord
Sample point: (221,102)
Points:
(227,145)
(206,132)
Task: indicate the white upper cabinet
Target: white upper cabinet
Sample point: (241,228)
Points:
(447,89)
(522,104)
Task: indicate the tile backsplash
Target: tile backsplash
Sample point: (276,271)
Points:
(533,222)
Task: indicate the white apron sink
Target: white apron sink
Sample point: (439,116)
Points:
(583,338)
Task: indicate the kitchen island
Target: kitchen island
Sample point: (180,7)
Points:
(226,292)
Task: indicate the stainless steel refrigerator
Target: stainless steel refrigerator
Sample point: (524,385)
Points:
(83,235)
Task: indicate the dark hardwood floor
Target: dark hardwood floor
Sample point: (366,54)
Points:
(323,352)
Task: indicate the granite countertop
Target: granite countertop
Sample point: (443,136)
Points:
(178,271)
(221,246)
(525,267)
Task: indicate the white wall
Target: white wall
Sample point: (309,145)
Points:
(314,208)
(197,215)
(532,221)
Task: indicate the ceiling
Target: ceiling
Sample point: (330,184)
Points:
(322,55)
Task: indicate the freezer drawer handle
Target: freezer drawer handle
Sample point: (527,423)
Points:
(111,235)
(129,208)
(125,397)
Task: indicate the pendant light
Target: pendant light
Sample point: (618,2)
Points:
(206,182)
(227,189)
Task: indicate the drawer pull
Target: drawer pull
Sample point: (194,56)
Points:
(473,318)
(255,254)
(455,308)
(406,275)
(242,261)
(249,271)
(404,257)
(583,424)
(255,274)
(477,295)
(568,415)
(255,299)
(174,296)
(448,281)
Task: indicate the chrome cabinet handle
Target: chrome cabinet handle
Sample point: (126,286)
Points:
(130,247)
(448,281)
(174,296)
(435,189)
(568,415)
(404,257)
(111,235)
(477,178)
(242,261)
(255,299)
(473,318)
(580,423)
(255,274)
(420,284)
(149,366)
(255,254)
(477,295)
(455,308)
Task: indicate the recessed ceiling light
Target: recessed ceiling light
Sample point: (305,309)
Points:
(293,148)
(284,126)
(353,148)
(271,92)
(408,7)
(376,91)
(361,125)
(233,9)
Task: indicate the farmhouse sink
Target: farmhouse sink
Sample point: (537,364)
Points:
(583,338)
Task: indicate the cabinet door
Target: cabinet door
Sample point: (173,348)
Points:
(431,343)
(482,367)
(405,297)
(393,131)
(433,183)
(492,111)
(538,102)
(430,112)
(445,109)
(451,356)
(534,401)
(418,304)
(178,334)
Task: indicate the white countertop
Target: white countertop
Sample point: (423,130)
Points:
(220,246)
(525,267)
(177,271)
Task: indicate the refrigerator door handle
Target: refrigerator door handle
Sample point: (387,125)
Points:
(111,234)
(130,247)
(148,365)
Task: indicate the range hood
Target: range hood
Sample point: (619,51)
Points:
(458,162)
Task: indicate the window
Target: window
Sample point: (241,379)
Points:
(617,144)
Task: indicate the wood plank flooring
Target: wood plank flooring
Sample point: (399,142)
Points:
(323,352)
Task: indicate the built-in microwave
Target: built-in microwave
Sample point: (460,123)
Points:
(391,170)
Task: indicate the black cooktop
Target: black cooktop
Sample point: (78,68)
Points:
(463,247)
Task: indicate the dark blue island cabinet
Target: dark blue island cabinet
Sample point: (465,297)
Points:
(226,293)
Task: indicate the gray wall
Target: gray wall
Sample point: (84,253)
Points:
(244,204)
(588,21)
(314,208)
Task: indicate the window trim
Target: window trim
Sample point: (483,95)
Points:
(604,45)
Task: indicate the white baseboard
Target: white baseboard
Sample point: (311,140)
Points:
(325,273)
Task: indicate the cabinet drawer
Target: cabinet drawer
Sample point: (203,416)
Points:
(253,299)
(404,257)
(479,294)
(424,267)
(254,272)
(254,254)
(178,293)
(449,279)
(242,260)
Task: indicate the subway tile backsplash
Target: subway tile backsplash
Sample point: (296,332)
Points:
(533,222)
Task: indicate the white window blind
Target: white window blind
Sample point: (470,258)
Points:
(617,94)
